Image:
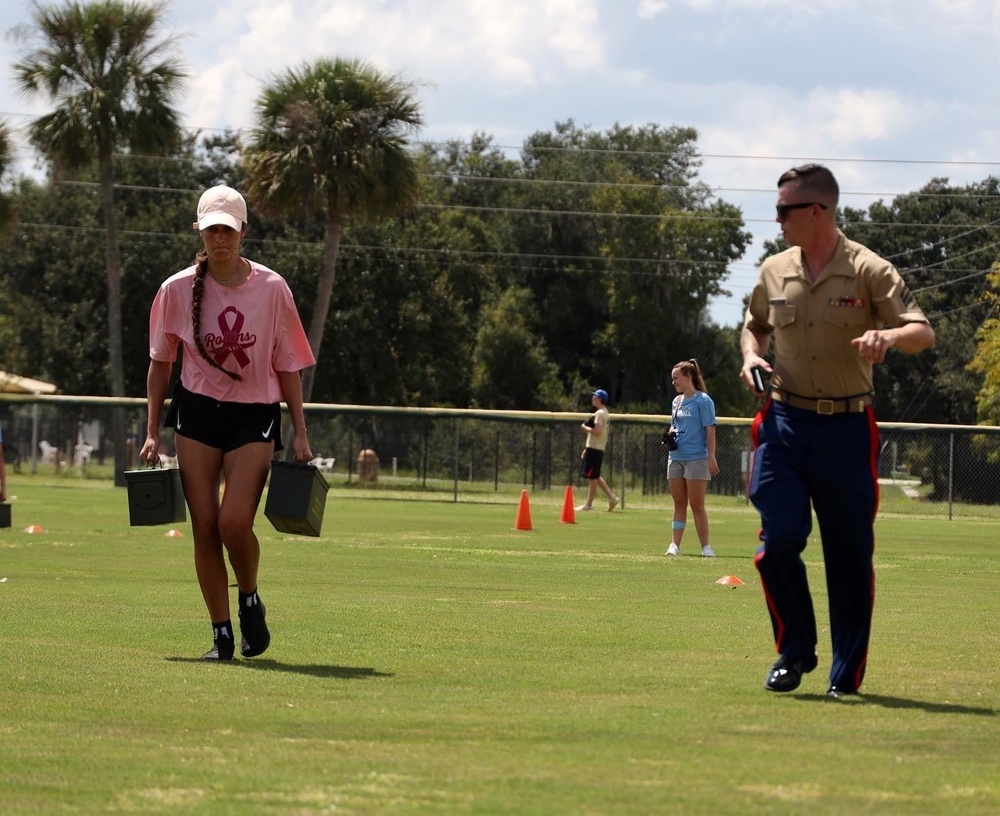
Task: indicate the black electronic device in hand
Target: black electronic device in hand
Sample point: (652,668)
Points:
(758,375)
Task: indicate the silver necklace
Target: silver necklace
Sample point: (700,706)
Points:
(236,273)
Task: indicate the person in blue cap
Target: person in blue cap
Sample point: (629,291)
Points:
(597,428)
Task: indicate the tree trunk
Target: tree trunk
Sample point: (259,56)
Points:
(114,276)
(324,294)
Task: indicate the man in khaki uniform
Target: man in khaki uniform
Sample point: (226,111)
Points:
(834,308)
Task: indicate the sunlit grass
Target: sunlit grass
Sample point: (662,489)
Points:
(429,658)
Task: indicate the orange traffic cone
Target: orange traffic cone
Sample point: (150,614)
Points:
(523,513)
(568,512)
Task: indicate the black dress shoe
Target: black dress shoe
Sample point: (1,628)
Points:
(840,691)
(786,674)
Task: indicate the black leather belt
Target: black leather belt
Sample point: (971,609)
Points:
(854,404)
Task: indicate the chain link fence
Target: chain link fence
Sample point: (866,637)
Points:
(489,456)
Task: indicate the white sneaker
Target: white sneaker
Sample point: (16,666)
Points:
(673,549)
(707,551)
(583,507)
(613,503)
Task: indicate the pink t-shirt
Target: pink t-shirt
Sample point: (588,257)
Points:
(252,329)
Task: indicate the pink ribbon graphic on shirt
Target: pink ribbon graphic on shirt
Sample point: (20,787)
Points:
(231,336)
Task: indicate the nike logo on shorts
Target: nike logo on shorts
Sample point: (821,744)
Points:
(178,425)
(267,433)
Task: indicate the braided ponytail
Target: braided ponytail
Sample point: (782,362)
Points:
(197,290)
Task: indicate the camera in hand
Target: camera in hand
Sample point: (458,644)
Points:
(758,374)
(670,439)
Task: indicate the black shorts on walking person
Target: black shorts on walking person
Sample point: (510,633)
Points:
(223,425)
(591,466)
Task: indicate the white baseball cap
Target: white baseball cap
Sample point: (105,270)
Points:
(221,205)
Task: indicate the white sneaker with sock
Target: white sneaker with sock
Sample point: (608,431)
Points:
(673,549)
(707,551)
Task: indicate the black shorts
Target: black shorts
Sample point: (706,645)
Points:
(591,466)
(223,425)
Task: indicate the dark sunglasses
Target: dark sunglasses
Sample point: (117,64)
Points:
(784,209)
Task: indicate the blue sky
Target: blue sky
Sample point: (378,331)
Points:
(888,93)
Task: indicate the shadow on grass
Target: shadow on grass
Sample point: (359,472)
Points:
(902,702)
(337,672)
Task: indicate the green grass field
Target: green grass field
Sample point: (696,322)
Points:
(428,658)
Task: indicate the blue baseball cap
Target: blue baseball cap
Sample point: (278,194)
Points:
(601,394)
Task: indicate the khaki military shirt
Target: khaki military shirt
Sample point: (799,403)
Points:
(813,322)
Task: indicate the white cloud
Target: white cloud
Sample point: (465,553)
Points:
(573,28)
(823,121)
(512,42)
(648,9)
(860,115)
(504,49)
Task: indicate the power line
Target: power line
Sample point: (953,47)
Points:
(680,215)
(577,258)
(974,275)
(488,254)
(944,241)
(684,215)
(695,188)
(695,156)
(738,156)
(971,228)
(690,188)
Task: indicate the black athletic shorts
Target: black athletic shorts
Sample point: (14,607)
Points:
(223,425)
(591,466)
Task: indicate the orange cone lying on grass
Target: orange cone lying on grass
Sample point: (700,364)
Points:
(730,580)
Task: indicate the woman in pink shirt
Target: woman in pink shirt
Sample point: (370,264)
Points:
(244,349)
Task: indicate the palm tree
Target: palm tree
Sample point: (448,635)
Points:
(330,140)
(112,80)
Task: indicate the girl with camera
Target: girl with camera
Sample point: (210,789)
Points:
(691,463)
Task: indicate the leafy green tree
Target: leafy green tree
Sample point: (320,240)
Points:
(155,200)
(402,323)
(512,369)
(624,270)
(943,240)
(330,140)
(6,166)
(51,285)
(11,353)
(112,79)
(986,361)
(658,315)
(55,305)
(476,176)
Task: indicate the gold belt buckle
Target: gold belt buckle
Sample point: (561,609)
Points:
(824,406)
